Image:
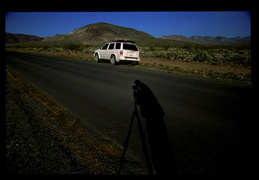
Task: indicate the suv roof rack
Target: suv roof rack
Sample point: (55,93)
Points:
(130,41)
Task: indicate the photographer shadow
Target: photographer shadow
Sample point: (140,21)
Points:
(160,147)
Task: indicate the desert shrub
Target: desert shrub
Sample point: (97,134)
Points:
(72,47)
(201,57)
(151,48)
(166,47)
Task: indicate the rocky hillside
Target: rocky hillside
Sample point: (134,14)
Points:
(100,32)
(210,39)
(20,38)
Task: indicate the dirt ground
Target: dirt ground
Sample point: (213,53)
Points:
(233,74)
(44,138)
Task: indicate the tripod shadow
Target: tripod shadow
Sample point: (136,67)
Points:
(160,147)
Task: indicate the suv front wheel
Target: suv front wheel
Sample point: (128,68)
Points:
(113,60)
(96,58)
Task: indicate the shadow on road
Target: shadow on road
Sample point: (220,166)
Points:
(163,161)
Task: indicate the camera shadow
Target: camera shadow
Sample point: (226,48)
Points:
(160,147)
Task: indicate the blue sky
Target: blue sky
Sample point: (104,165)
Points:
(204,23)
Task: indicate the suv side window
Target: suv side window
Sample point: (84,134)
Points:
(118,45)
(105,46)
(111,46)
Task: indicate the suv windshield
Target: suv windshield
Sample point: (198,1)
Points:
(105,46)
(130,47)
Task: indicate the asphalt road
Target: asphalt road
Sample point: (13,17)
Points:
(207,122)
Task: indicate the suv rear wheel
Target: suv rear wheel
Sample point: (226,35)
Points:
(113,60)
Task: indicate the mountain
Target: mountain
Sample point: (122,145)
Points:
(175,37)
(210,39)
(100,32)
(11,38)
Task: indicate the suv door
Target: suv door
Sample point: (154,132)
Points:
(103,51)
(110,50)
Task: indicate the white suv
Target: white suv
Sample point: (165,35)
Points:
(117,51)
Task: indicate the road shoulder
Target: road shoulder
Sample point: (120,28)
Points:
(44,138)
